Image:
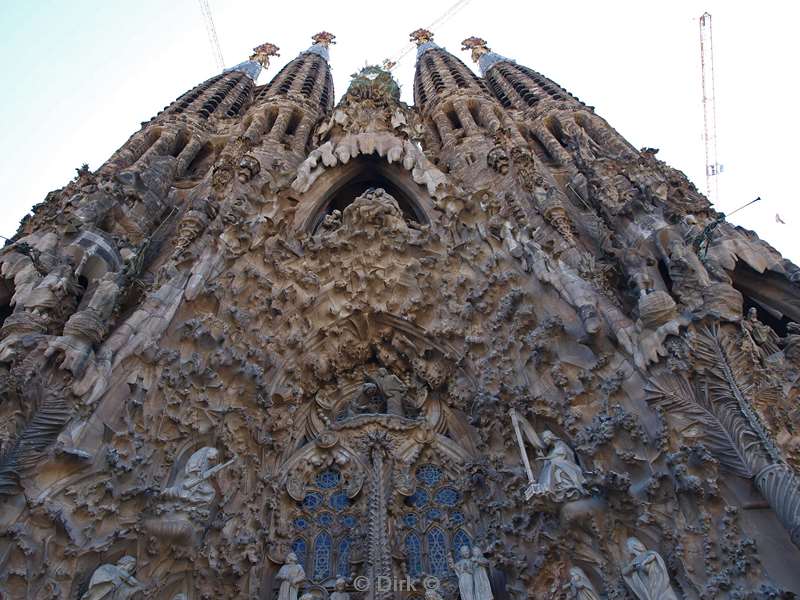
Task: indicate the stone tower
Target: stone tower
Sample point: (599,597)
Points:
(480,345)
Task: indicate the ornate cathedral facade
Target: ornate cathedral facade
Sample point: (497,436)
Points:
(477,348)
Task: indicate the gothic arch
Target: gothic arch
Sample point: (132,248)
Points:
(336,188)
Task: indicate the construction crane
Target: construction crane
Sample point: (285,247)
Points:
(391,63)
(212,33)
(713,168)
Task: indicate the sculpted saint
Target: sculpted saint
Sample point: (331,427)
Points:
(646,574)
(465,569)
(113,582)
(291,575)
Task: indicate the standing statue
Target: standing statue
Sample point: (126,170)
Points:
(465,571)
(113,582)
(480,567)
(339,593)
(291,575)
(580,586)
(646,574)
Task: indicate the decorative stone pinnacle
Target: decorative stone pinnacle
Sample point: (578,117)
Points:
(262,53)
(477,46)
(421,36)
(324,38)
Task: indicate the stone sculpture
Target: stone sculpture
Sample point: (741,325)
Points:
(114,582)
(580,586)
(646,573)
(290,575)
(339,592)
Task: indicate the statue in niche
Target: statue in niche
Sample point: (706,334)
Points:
(291,575)
(646,575)
(114,582)
(381,393)
(560,477)
(375,208)
(580,586)
(339,593)
(480,565)
(465,571)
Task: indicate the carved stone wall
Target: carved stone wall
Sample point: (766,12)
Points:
(372,334)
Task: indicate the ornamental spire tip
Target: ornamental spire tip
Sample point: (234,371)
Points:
(324,38)
(262,53)
(421,36)
(477,46)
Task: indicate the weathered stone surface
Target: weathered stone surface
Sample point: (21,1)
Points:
(481,338)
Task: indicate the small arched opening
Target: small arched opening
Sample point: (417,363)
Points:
(342,186)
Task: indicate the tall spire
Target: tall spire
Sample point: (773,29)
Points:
(423,38)
(322,41)
(257,61)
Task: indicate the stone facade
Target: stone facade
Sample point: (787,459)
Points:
(277,348)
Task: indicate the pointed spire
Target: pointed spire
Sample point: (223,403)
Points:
(322,41)
(482,54)
(258,60)
(423,38)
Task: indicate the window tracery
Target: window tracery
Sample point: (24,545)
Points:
(323,527)
(434,520)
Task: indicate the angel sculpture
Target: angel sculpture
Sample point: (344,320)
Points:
(560,477)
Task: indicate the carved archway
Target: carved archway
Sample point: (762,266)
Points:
(336,188)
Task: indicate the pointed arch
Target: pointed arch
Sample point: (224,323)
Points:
(337,188)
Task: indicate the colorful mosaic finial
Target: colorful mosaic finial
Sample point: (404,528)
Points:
(324,38)
(477,46)
(262,53)
(421,36)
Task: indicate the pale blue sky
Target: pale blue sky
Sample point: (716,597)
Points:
(81,75)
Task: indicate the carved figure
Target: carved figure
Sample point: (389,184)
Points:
(646,574)
(480,566)
(763,339)
(465,571)
(291,575)
(113,582)
(339,590)
(580,586)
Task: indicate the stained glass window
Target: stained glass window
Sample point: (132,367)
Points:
(437,552)
(429,474)
(328,479)
(410,519)
(460,539)
(312,500)
(447,496)
(413,554)
(418,498)
(348,521)
(299,548)
(457,518)
(343,560)
(322,556)
(434,514)
(300,523)
(339,501)
(325,519)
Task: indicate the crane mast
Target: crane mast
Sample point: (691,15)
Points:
(212,33)
(712,165)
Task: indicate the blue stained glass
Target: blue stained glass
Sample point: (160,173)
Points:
(434,514)
(457,518)
(348,521)
(322,556)
(300,523)
(418,498)
(447,496)
(343,559)
(312,500)
(410,519)
(299,548)
(413,555)
(339,501)
(328,479)
(460,539)
(437,552)
(325,519)
(429,475)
